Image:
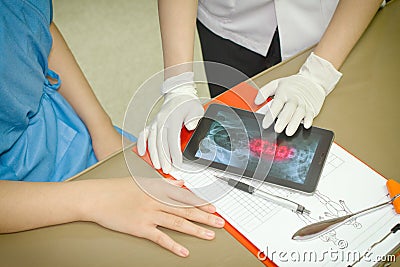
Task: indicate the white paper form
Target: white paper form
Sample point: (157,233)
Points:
(347,185)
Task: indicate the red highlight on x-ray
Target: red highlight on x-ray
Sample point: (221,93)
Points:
(264,148)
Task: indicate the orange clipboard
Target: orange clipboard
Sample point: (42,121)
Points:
(241,96)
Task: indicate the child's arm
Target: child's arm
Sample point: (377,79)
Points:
(117,204)
(77,91)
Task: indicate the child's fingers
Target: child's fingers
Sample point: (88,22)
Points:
(182,225)
(197,215)
(178,183)
(186,197)
(210,208)
(167,242)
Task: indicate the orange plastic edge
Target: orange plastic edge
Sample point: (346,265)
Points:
(241,96)
(394,189)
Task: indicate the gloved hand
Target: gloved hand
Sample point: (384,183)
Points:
(299,96)
(181,106)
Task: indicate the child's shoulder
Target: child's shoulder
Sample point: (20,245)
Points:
(28,9)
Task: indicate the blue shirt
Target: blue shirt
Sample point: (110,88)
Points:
(42,138)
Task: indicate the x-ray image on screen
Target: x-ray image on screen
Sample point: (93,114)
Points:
(293,157)
(241,143)
(227,141)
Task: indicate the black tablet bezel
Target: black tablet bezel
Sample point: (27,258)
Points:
(315,169)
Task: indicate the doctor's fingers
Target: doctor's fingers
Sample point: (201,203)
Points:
(285,116)
(194,114)
(295,121)
(163,148)
(272,112)
(174,141)
(173,138)
(152,145)
(142,141)
(266,91)
(308,119)
(174,131)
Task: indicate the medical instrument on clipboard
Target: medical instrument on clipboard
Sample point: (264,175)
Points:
(284,202)
(316,229)
(392,231)
(322,227)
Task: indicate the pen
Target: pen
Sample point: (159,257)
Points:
(284,202)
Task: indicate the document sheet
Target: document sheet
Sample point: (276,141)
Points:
(347,185)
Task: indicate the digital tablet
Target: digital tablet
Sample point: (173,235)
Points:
(233,140)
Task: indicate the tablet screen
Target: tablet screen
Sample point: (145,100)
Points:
(228,139)
(293,157)
(233,140)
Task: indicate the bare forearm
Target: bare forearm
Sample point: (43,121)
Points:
(77,91)
(25,205)
(177,24)
(74,87)
(350,20)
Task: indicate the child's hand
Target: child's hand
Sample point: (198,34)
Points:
(120,205)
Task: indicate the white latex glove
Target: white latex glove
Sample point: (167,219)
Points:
(181,106)
(300,96)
